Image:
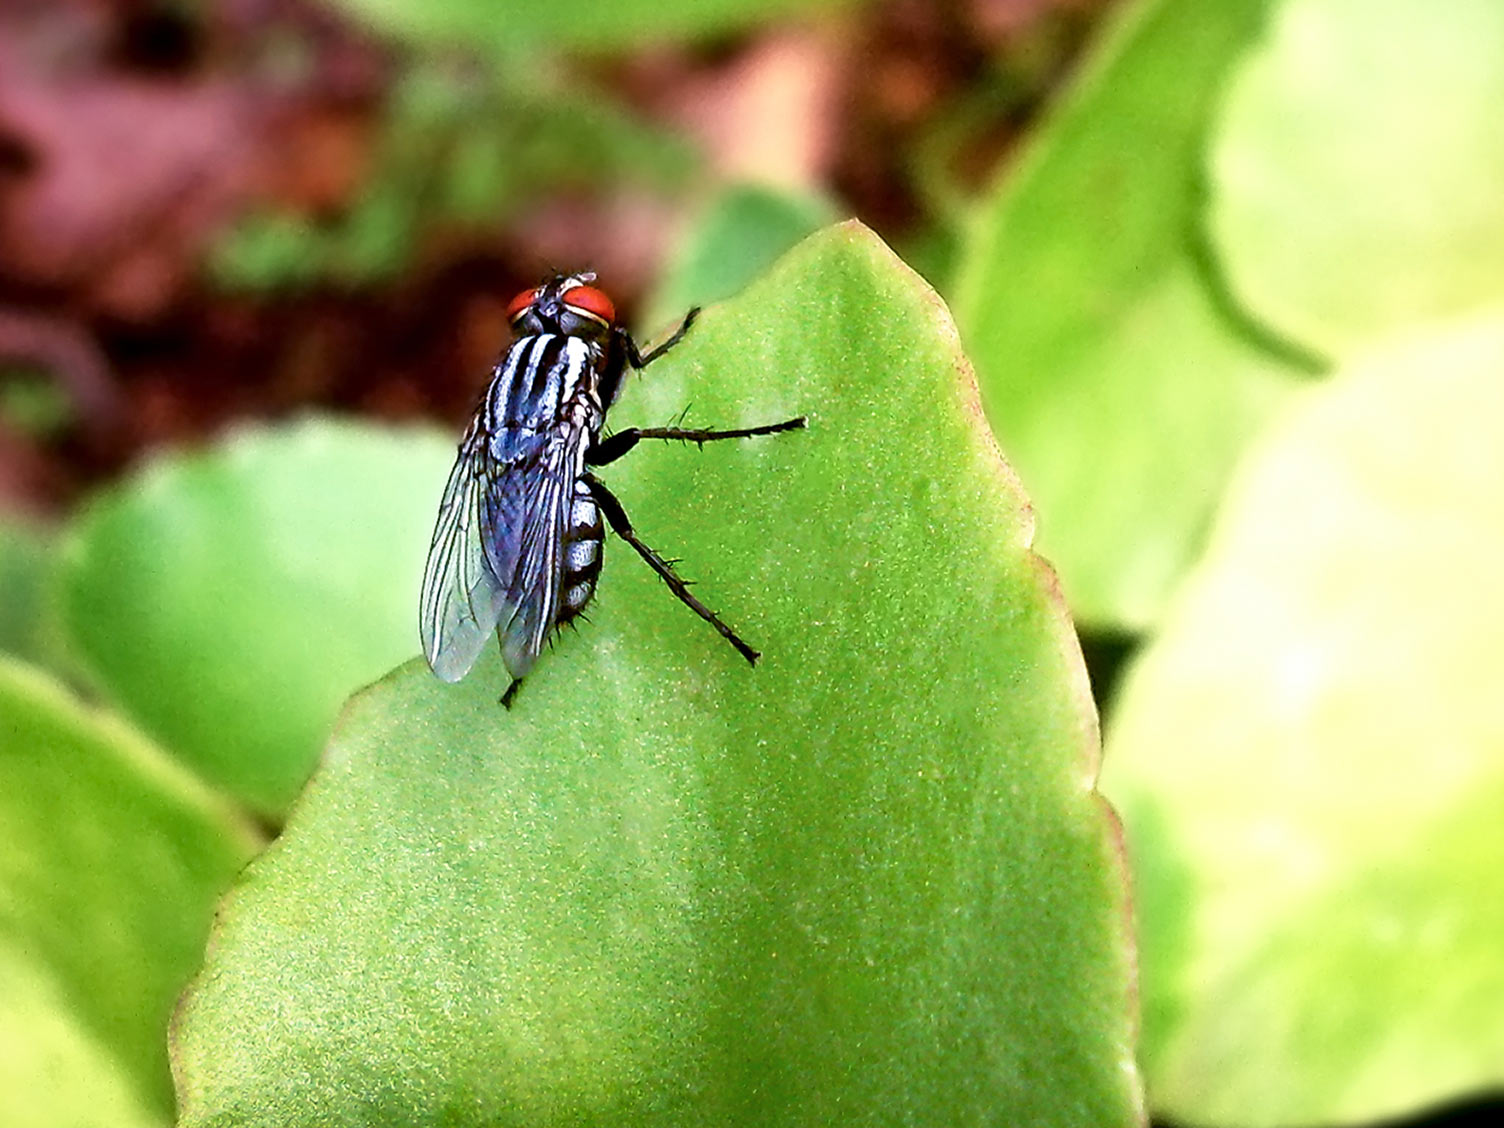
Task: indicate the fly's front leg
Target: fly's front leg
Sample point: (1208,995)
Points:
(616,517)
(623,353)
(614,446)
(640,359)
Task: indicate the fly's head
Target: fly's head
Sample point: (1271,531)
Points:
(565,304)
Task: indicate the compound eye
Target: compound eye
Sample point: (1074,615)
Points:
(591,302)
(520,303)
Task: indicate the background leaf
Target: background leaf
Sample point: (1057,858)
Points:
(867,882)
(1119,384)
(1357,168)
(510,26)
(30,402)
(103,913)
(459,151)
(739,235)
(1310,761)
(230,600)
(26,559)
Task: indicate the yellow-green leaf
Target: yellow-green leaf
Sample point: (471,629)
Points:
(229,600)
(111,859)
(1310,761)
(1356,170)
(1118,381)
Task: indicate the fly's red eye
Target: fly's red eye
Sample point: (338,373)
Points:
(588,300)
(520,303)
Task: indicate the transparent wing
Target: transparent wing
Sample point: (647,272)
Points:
(462,599)
(530,514)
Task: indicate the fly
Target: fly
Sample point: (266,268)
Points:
(518,543)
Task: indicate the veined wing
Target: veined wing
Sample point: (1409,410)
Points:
(497,553)
(528,514)
(462,599)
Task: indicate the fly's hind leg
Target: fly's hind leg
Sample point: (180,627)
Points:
(511,692)
(616,517)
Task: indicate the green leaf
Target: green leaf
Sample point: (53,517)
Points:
(1117,382)
(867,882)
(737,237)
(509,27)
(26,560)
(1358,165)
(53,1070)
(230,600)
(1310,761)
(111,858)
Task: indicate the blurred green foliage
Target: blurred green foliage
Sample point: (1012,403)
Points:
(509,28)
(111,860)
(1356,170)
(736,236)
(462,150)
(1305,753)
(230,600)
(1311,749)
(26,560)
(1119,383)
(31,402)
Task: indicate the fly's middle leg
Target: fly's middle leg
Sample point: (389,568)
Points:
(614,446)
(617,518)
